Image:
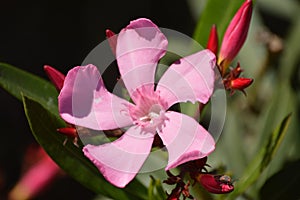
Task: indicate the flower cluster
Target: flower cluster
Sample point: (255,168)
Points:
(196,169)
(233,41)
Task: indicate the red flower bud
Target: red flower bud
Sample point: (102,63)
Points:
(235,35)
(217,184)
(112,40)
(56,77)
(68,131)
(71,133)
(240,83)
(212,43)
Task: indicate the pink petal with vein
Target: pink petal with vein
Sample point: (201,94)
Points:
(84,101)
(139,47)
(120,161)
(185,139)
(189,79)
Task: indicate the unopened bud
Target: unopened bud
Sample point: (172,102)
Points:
(240,83)
(36,179)
(212,43)
(71,133)
(112,40)
(68,131)
(217,184)
(235,35)
(55,76)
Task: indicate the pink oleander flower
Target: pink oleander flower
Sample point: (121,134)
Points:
(84,101)
(235,35)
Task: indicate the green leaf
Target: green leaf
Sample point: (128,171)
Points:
(160,190)
(16,81)
(262,160)
(217,12)
(70,158)
(155,190)
(284,184)
(151,194)
(274,142)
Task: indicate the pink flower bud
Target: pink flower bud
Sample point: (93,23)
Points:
(36,179)
(55,76)
(235,35)
(217,184)
(240,83)
(112,40)
(212,43)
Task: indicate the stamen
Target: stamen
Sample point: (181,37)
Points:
(145,118)
(149,109)
(153,115)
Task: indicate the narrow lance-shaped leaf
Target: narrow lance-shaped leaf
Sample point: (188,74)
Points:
(160,190)
(262,160)
(70,158)
(151,194)
(155,190)
(16,81)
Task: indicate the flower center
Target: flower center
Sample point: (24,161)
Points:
(153,116)
(149,111)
